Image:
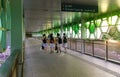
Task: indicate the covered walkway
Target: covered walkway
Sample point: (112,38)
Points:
(39,63)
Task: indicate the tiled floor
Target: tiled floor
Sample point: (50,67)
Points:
(40,63)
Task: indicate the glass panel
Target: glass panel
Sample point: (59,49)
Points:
(118,28)
(88,33)
(68,34)
(68,43)
(79,34)
(73,34)
(97,33)
(118,22)
(99,49)
(112,20)
(76,36)
(104,29)
(73,44)
(98,22)
(70,29)
(104,23)
(92,36)
(87,25)
(114,50)
(79,45)
(88,47)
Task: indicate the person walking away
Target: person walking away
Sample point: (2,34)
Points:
(65,42)
(44,42)
(52,45)
(59,43)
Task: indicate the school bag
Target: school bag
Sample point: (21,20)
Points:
(59,40)
(64,39)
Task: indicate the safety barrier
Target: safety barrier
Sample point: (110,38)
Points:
(104,49)
(10,68)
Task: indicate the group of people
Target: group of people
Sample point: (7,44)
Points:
(55,43)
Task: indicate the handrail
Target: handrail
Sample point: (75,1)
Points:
(8,66)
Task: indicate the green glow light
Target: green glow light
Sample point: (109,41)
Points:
(92,28)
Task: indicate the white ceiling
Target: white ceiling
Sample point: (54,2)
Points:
(41,14)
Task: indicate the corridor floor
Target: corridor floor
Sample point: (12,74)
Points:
(39,63)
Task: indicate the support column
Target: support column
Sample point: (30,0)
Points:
(83,33)
(8,25)
(17,32)
(16,24)
(61,20)
(3,21)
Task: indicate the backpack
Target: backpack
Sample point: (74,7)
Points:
(42,47)
(59,40)
(44,40)
(51,40)
(64,39)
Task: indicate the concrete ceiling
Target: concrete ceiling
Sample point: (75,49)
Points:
(42,14)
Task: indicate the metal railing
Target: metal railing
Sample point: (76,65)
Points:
(10,68)
(104,49)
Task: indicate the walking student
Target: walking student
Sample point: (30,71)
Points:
(52,45)
(44,42)
(59,43)
(65,42)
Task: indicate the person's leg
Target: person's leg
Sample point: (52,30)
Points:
(56,47)
(50,48)
(45,46)
(66,47)
(60,48)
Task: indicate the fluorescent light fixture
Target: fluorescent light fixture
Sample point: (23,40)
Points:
(103,5)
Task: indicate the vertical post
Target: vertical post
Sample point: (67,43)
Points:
(76,44)
(106,57)
(83,33)
(61,20)
(51,3)
(83,46)
(93,47)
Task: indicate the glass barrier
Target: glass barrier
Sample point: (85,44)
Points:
(68,44)
(99,48)
(79,44)
(108,50)
(73,44)
(88,47)
(114,51)
(4,55)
